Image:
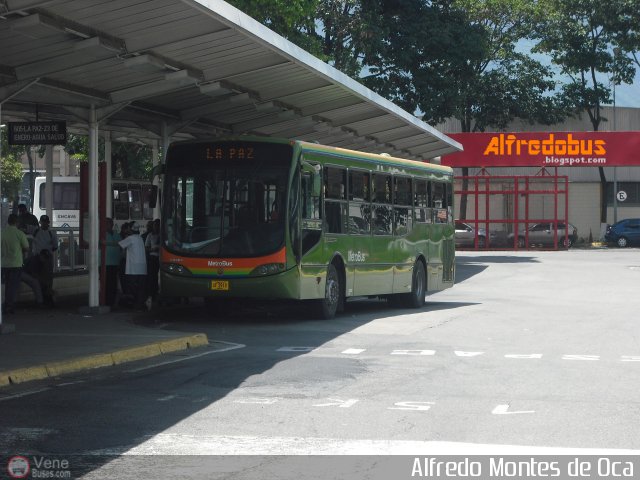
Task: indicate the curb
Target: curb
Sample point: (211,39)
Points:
(118,357)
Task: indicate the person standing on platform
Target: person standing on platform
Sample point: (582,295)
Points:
(136,266)
(27,222)
(14,246)
(152,246)
(112,263)
(45,239)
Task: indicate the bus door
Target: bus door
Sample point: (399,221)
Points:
(306,238)
(337,228)
(404,251)
(380,264)
(443,258)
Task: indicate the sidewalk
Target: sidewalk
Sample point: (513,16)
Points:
(48,343)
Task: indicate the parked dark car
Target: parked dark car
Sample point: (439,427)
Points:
(544,233)
(624,233)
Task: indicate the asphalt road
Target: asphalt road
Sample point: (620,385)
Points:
(530,352)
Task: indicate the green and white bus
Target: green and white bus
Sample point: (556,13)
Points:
(255,217)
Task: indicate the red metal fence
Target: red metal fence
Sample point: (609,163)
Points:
(514,212)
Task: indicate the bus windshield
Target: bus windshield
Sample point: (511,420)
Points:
(226,210)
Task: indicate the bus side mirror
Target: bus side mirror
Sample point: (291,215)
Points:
(314,170)
(154,196)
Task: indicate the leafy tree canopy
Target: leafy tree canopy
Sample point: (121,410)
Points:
(583,38)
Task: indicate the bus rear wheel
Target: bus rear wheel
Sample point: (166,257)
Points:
(415,299)
(327,306)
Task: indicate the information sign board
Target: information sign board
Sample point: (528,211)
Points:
(37,133)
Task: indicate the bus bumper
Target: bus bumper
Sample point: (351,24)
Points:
(282,285)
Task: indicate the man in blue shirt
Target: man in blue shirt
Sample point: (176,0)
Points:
(112,263)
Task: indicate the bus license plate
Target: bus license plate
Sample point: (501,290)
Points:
(219,285)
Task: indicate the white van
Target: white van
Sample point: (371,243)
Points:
(66,201)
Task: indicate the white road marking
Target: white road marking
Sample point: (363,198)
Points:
(630,358)
(524,356)
(504,410)
(415,406)
(295,349)
(353,351)
(167,398)
(413,352)
(467,354)
(590,358)
(24,394)
(66,384)
(232,346)
(189,444)
(257,401)
(336,402)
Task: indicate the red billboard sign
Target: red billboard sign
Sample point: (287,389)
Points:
(545,149)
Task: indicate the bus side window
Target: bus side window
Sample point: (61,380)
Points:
(439,203)
(382,209)
(449,201)
(402,218)
(147,211)
(135,201)
(120,202)
(335,199)
(359,198)
(422,201)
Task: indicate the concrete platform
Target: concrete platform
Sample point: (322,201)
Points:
(53,342)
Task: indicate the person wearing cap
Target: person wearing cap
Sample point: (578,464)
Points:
(136,265)
(45,243)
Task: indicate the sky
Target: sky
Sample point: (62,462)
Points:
(629,95)
(626,95)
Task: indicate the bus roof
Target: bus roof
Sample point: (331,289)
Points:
(337,151)
(377,157)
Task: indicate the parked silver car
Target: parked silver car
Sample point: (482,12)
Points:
(466,235)
(544,233)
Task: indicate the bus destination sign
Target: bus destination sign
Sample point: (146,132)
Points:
(37,133)
(230,152)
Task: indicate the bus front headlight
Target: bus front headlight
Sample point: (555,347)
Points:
(267,269)
(175,269)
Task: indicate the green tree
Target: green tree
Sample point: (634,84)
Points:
(293,19)
(582,38)
(336,31)
(11,176)
(459,59)
(11,167)
(129,160)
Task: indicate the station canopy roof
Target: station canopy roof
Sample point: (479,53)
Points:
(200,67)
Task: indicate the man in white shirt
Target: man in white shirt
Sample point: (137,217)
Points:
(136,265)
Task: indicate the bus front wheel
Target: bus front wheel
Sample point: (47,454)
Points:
(327,306)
